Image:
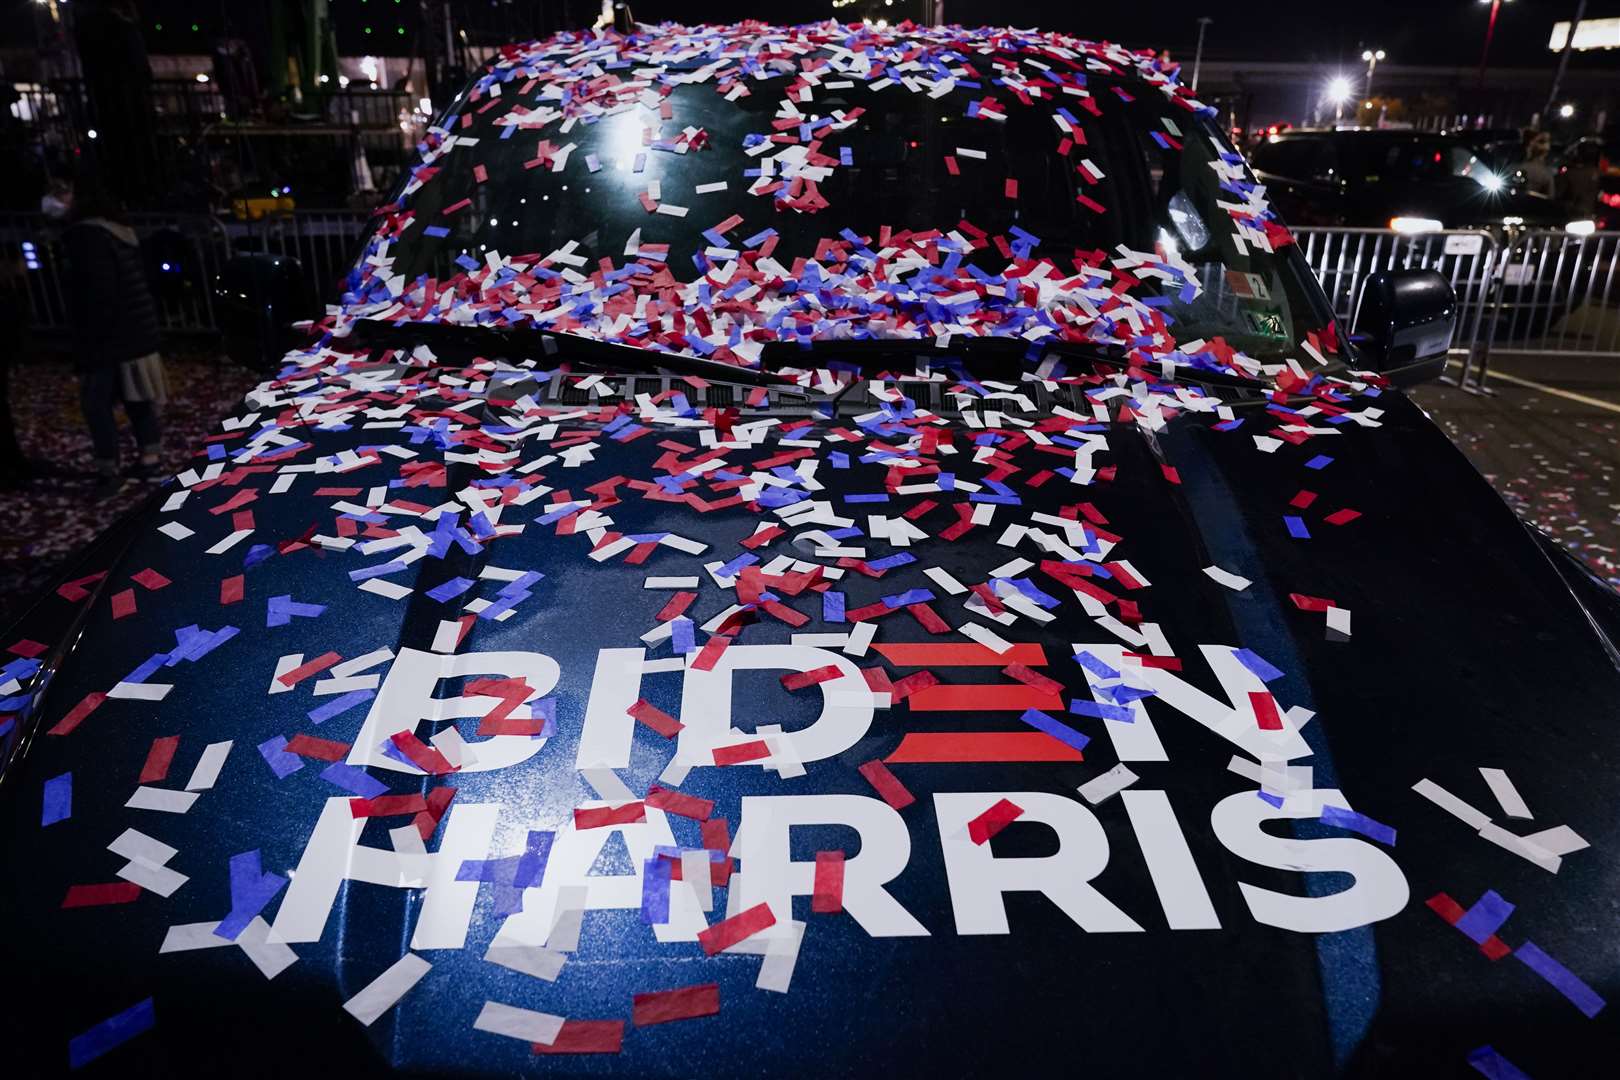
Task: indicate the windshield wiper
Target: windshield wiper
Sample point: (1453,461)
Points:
(551,346)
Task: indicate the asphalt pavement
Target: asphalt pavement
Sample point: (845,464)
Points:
(1547,435)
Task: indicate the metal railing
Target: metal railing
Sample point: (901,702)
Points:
(1533,291)
(1559,292)
(183,255)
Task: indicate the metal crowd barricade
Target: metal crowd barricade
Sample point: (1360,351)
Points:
(1558,293)
(183,252)
(1343,260)
(325,242)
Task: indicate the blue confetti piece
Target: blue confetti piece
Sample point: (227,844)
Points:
(251,890)
(450,589)
(1121,713)
(1061,732)
(1296,527)
(655,879)
(1376,830)
(1566,982)
(1094,665)
(354,780)
(58,804)
(1256,663)
(1320,461)
(832,606)
(275,755)
(111,1033)
(1487,1062)
(340,705)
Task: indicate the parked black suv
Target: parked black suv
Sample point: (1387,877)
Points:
(1370,178)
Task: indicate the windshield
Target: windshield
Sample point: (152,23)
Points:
(708,193)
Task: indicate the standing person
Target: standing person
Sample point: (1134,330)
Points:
(1538,172)
(115,332)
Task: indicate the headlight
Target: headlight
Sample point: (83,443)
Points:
(1490,182)
(1581,228)
(1412,225)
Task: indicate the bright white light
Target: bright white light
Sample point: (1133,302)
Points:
(1513,221)
(1409,226)
(1581,228)
(1566,110)
(1490,181)
(201,77)
(1339,90)
(91,133)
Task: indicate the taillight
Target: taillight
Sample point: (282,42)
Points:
(1610,198)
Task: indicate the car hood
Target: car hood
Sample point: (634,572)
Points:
(1191,918)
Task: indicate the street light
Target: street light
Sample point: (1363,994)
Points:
(1490,31)
(1339,91)
(1372,56)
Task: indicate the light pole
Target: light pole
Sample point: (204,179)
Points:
(1372,56)
(1490,31)
(1563,57)
(1198,55)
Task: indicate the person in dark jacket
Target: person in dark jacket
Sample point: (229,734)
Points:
(115,331)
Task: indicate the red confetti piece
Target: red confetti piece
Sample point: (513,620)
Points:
(676,606)
(123,603)
(886,784)
(420,754)
(599,817)
(77,714)
(1310,603)
(675,802)
(798,680)
(687,1003)
(716,834)
(745,924)
(159,758)
(150,579)
(1170,473)
(827,892)
(308,668)
(917,680)
(655,718)
(27,648)
(230,590)
(438,801)
(117,892)
(709,655)
(1302,499)
(1342,517)
(585,1037)
(1032,678)
(993,820)
(738,753)
(323,749)
(387,806)
(1011,188)
(928,619)
(1265,711)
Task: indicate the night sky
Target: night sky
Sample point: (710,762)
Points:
(1328,31)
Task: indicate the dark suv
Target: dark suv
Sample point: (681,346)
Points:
(1371,178)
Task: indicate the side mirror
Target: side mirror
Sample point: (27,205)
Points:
(257,298)
(1404,323)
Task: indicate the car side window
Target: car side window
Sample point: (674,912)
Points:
(1295,159)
